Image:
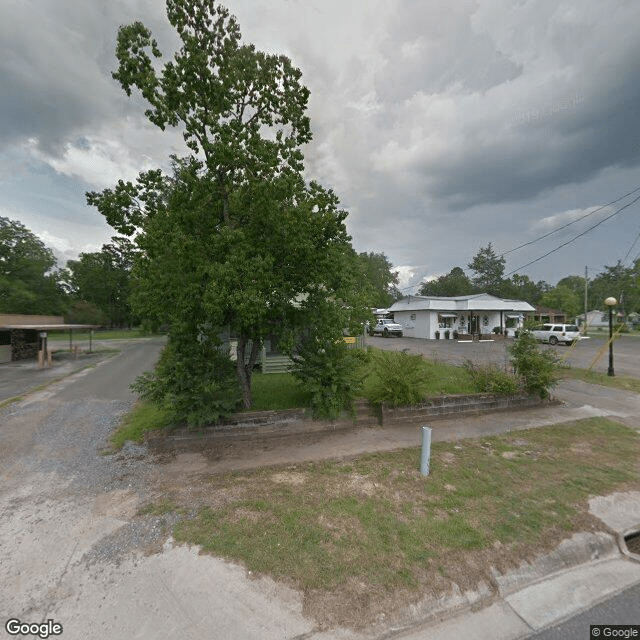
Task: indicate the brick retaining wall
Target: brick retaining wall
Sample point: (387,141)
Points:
(244,429)
(447,406)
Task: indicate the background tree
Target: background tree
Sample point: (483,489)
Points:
(376,279)
(103,279)
(620,282)
(235,237)
(564,299)
(523,288)
(454,283)
(28,282)
(489,271)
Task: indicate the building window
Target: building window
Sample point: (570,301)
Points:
(446,320)
(413,316)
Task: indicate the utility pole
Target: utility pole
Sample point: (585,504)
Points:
(586,284)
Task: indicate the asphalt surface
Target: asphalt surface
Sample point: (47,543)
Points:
(590,353)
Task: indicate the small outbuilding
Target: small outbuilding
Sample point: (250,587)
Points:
(24,336)
(475,315)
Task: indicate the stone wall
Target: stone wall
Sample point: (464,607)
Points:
(253,427)
(448,406)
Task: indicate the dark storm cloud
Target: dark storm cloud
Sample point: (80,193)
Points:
(564,142)
(56,58)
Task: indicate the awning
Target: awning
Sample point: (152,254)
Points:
(448,315)
(512,315)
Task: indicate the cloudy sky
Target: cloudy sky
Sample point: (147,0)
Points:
(442,126)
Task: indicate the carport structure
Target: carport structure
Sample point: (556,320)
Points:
(25,336)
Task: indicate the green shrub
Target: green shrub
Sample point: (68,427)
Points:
(331,373)
(536,368)
(193,381)
(491,379)
(396,378)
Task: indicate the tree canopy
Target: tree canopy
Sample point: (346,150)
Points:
(102,279)
(28,282)
(234,238)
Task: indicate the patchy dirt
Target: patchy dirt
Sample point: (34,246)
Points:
(186,480)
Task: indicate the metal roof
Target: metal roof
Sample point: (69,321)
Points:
(475,302)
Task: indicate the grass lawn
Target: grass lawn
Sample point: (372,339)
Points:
(144,417)
(274,391)
(374,528)
(592,377)
(279,391)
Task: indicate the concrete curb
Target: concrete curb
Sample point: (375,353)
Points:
(582,571)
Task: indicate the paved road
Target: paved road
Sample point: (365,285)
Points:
(622,609)
(583,355)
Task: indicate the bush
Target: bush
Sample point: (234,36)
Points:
(536,368)
(396,378)
(331,373)
(194,382)
(492,379)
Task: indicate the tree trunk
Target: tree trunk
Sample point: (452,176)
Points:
(245,382)
(245,370)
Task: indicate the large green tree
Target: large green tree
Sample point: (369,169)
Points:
(103,279)
(454,283)
(620,282)
(234,237)
(488,268)
(28,280)
(377,279)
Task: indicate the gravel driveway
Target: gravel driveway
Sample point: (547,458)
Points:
(73,548)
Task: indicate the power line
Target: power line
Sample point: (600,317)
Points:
(564,244)
(564,226)
(631,248)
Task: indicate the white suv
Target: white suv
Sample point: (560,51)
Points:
(554,333)
(386,328)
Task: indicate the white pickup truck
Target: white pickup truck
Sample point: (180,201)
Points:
(554,333)
(386,327)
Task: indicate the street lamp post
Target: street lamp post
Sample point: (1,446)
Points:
(610,302)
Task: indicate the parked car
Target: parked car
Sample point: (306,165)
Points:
(555,333)
(386,327)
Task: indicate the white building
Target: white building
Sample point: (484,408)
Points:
(422,316)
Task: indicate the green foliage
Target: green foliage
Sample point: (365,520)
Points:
(235,237)
(489,269)
(376,279)
(276,391)
(492,379)
(28,283)
(396,378)
(331,373)
(82,312)
(455,283)
(536,367)
(194,383)
(103,279)
(565,299)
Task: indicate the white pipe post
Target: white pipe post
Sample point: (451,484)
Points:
(426,451)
